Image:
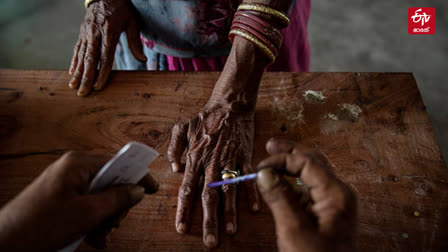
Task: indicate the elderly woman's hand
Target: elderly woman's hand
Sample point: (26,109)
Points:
(219,137)
(99,34)
(321,216)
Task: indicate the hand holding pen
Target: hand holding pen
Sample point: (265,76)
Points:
(321,216)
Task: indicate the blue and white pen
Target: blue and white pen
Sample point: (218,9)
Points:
(233,180)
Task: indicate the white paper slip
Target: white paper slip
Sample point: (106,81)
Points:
(128,166)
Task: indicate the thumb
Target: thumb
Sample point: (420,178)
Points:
(134,42)
(113,202)
(284,202)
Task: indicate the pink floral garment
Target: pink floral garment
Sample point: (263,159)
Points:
(187,36)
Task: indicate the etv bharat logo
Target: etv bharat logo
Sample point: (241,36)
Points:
(421,20)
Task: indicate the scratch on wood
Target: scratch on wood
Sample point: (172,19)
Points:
(14,96)
(147,95)
(92,111)
(179,84)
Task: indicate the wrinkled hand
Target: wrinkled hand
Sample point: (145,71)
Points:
(216,138)
(320,218)
(56,209)
(98,38)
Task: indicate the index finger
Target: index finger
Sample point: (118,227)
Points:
(89,164)
(76,168)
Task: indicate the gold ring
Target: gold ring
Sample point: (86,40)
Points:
(264,9)
(228,174)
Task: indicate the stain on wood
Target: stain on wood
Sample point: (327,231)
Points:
(388,155)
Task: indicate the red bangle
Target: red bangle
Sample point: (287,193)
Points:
(257,34)
(260,25)
(255,40)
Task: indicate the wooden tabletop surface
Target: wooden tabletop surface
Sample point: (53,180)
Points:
(372,126)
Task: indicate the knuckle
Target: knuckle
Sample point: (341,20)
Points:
(210,196)
(229,189)
(180,126)
(81,53)
(192,158)
(77,75)
(92,42)
(76,49)
(210,223)
(87,80)
(185,191)
(89,60)
(105,45)
(106,59)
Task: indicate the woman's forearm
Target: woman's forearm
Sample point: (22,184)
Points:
(238,84)
(239,81)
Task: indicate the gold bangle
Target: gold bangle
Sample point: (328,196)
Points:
(88,2)
(264,9)
(256,41)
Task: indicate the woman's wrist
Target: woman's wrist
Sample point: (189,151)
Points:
(237,87)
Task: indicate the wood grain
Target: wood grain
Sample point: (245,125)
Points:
(389,155)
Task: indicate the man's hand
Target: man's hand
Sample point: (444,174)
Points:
(98,38)
(217,138)
(321,216)
(56,209)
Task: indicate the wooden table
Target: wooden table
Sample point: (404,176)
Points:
(388,152)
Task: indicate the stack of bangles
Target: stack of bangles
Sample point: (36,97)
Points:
(248,25)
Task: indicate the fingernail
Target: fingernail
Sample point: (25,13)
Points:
(181,228)
(230,228)
(267,178)
(210,240)
(136,193)
(82,92)
(175,167)
(96,87)
(255,207)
